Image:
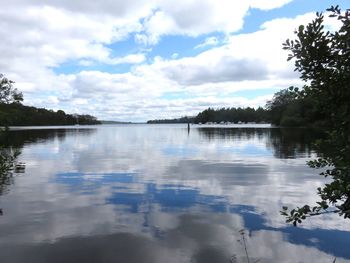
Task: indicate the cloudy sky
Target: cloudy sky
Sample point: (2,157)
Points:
(144,59)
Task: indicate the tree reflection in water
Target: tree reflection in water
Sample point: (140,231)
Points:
(8,167)
(189,194)
(12,143)
(284,143)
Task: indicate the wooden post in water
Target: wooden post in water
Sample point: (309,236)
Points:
(188,127)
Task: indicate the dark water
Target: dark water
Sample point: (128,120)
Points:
(153,193)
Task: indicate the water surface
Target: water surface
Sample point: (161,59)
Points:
(161,193)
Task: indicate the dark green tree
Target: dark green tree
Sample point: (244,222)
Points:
(13,113)
(323,60)
(279,105)
(288,109)
(232,115)
(9,94)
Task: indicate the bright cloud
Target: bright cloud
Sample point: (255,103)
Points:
(210,41)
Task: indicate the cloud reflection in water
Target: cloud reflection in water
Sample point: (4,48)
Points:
(159,194)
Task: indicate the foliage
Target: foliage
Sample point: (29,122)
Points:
(288,109)
(13,113)
(9,94)
(279,104)
(323,59)
(19,115)
(233,115)
(179,120)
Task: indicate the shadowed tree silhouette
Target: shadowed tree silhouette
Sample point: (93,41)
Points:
(323,60)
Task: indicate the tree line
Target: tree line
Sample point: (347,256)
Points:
(211,115)
(233,115)
(13,113)
(285,109)
(176,120)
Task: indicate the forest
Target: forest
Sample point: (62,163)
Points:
(13,113)
(16,114)
(233,115)
(285,109)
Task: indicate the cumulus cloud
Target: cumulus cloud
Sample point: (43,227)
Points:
(224,69)
(197,17)
(128,59)
(269,4)
(209,41)
(118,8)
(245,57)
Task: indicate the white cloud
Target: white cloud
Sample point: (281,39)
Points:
(251,57)
(52,100)
(194,18)
(85,62)
(197,17)
(175,55)
(268,4)
(128,59)
(210,41)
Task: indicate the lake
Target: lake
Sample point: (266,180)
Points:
(163,193)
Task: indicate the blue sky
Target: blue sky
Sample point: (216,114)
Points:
(138,60)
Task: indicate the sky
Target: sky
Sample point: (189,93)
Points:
(137,60)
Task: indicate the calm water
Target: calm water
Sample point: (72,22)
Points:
(158,193)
